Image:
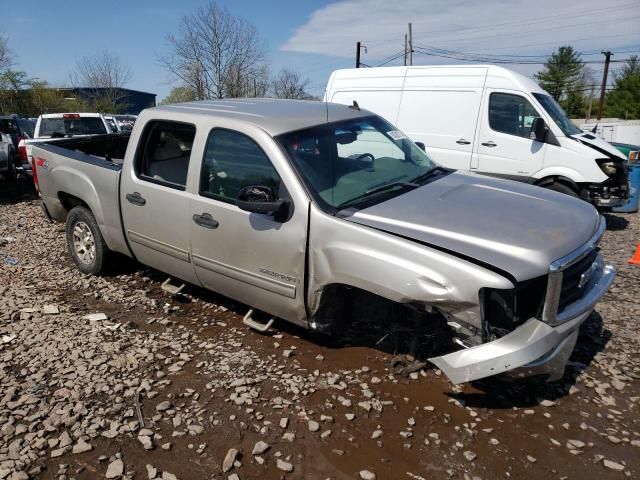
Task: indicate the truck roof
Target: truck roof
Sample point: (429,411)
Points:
(275,116)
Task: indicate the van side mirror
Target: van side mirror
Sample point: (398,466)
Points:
(421,146)
(539,130)
(262,199)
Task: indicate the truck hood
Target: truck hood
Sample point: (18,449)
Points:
(515,227)
(599,144)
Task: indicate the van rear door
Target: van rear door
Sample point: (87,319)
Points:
(504,146)
(439,108)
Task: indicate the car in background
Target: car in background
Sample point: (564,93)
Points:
(53,126)
(12,131)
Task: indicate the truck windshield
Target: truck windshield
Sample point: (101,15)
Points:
(359,160)
(72,126)
(557,114)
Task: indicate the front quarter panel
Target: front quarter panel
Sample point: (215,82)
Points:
(342,252)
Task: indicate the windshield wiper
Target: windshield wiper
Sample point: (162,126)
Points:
(430,173)
(381,188)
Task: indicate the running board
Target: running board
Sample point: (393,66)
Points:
(170,288)
(251,323)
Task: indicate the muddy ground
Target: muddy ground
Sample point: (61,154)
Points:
(70,387)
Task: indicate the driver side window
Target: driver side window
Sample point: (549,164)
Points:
(233,161)
(511,114)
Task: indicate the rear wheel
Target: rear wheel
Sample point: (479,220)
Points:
(84,241)
(562,188)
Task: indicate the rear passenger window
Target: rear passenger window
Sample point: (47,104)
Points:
(165,153)
(233,161)
(511,114)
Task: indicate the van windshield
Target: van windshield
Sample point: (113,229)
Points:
(357,161)
(557,114)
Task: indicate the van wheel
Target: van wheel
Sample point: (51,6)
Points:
(562,188)
(84,241)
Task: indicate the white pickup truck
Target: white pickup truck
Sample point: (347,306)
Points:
(305,209)
(53,126)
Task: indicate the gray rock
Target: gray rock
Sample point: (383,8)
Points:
(469,455)
(613,465)
(259,448)
(82,447)
(367,475)
(229,459)
(284,466)
(313,426)
(163,406)
(115,469)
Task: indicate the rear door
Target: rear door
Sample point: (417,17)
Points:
(248,256)
(154,200)
(504,145)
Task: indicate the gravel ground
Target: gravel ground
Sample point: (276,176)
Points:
(161,387)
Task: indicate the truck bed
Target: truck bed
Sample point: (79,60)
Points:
(85,171)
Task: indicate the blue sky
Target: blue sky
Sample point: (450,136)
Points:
(315,37)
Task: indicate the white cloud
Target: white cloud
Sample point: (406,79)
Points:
(491,26)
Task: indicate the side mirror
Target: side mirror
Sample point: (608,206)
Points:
(262,199)
(538,130)
(421,146)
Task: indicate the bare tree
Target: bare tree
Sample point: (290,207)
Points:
(215,53)
(289,84)
(106,74)
(5,54)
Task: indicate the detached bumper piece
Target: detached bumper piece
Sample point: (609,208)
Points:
(538,347)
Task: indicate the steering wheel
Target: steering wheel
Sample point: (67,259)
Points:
(370,157)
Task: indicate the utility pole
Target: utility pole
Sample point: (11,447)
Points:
(405,49)
(410,46)
(358,55)
(607,55)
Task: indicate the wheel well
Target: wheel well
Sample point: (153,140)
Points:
(69,201)
(339,301)
(546,181)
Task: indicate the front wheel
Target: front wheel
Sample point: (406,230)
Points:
(562,188)
(84,241)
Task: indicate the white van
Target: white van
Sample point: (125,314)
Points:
(489,120)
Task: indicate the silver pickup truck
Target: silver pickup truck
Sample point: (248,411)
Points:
(294,208)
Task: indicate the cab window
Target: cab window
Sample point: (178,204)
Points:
(233,161)
(511,114)
(165,153)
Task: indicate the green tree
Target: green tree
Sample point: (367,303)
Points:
(565,77)
(623,101)
(179,95)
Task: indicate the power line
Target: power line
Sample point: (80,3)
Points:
(572,14)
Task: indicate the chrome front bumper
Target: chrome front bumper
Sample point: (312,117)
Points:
(534,348)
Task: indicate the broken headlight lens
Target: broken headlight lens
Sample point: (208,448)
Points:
(505,310)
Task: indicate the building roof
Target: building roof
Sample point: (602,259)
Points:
(275,116)
(71,89)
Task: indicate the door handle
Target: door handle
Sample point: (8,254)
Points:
(490,143)
(206,221)
(136,198)
(463,141)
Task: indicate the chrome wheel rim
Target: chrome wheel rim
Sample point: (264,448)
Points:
(84,243)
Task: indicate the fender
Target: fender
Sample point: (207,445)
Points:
(398,269)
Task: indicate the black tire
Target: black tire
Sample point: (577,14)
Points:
(11,173)
(562,188)
(84,241)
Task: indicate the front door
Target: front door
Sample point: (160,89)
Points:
(504,145)
(155,204)
(251,257)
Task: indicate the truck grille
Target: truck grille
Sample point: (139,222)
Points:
(571,276)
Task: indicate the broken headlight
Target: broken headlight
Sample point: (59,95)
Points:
(609,167)
(505,310)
